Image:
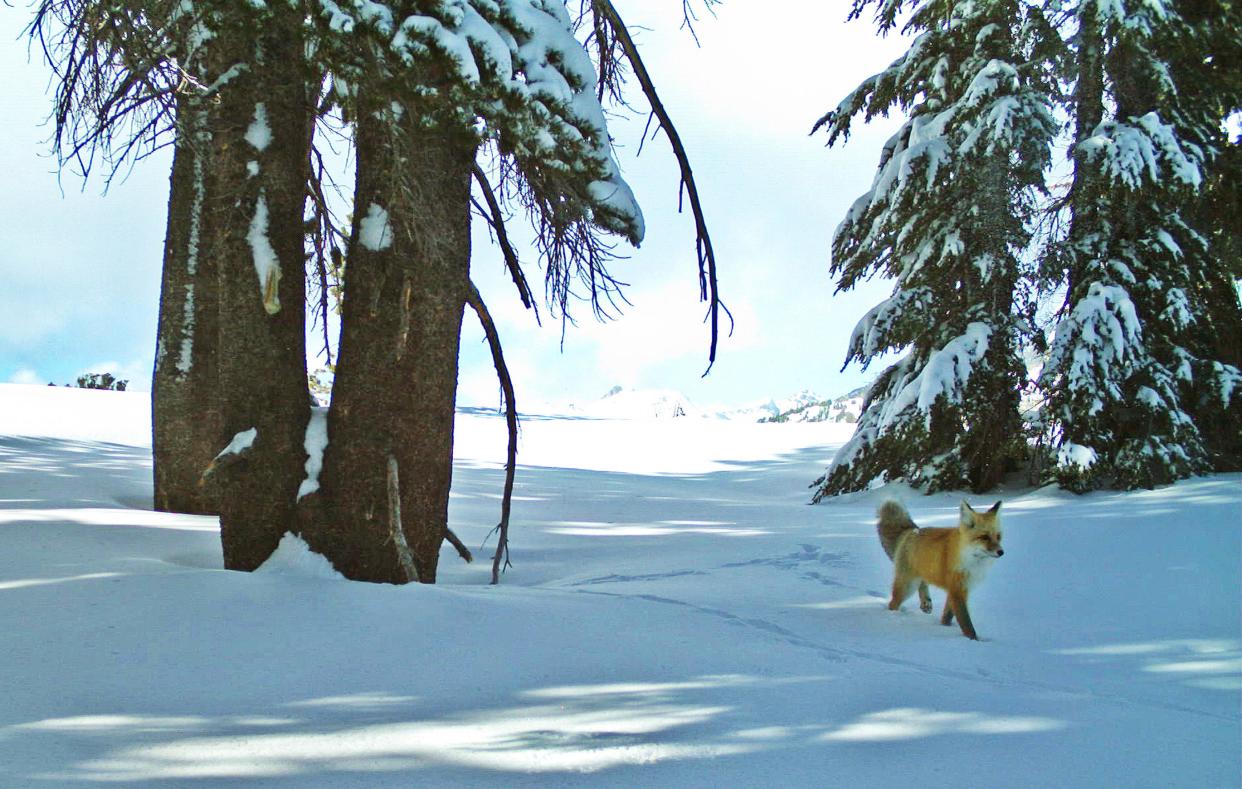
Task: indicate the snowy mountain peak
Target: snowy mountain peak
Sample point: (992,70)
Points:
(624,403)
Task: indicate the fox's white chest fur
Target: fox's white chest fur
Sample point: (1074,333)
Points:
(975,563)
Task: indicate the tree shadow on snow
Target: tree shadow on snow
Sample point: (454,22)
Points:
(63,473)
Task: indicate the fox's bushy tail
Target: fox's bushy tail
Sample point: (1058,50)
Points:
(893,521)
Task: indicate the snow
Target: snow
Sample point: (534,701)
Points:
(1103,329)
(315,443)
(945,374)
(1071,454)
(240,443)
(185,360)
(293,557)
(455,46)
(527,76)
(197,121)
(259,134)
(676,616)
(266,264)
(623,403)
(374,231)
(1146,149)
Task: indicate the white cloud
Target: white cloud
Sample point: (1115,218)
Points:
(26,376)
(762,69)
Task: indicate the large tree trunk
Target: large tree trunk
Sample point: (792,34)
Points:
(260,166)
(406,283)
(993,441)
(1088,110)
(185,414)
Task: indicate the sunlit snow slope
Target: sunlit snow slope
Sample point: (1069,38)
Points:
(677,616)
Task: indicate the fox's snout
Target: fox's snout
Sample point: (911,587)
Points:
(1000,552)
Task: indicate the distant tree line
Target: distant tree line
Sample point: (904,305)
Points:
(106,381)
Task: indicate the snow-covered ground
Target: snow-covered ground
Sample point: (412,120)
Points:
(677,616)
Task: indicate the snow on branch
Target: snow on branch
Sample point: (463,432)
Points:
(1097,343)
(512,71)
(944,375)
(236,450)
(1144,150)
(879,330)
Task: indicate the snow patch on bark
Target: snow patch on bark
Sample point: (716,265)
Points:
(374,232)
(259,135)
(315,444)
(201,137)
(266,264)
(240,443)
(186,359)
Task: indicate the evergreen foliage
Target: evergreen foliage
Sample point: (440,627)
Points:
(510,73)
(1133,375)
(948,218)
(105,381)
(1143,354)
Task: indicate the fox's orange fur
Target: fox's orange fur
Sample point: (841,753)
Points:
(954,559)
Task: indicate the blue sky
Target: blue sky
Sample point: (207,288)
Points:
(81,268)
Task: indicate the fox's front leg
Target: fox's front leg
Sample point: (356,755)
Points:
(958,603)
(946,617)
(925,603)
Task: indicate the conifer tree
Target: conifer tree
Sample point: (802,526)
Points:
(948,218)
(1134,373)
(130,78)
(432,90)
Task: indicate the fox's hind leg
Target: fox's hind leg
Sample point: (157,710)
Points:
(925,603)
(946,618)
(903,587)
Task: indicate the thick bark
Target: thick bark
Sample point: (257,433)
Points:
(396,378)
(260,163)
(1088,109)
(993,442)
(185,413)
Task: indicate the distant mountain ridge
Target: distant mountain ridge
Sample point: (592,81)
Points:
(808,408)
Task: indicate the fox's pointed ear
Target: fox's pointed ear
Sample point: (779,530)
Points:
(968,514)
(995,507)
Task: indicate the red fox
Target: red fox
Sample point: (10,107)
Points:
(955,559)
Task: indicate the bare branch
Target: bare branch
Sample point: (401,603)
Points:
(462,550)
(395,530)
(327,241)
(118,72)
(475,300)
(495,218)
(689,17)
(708,287)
